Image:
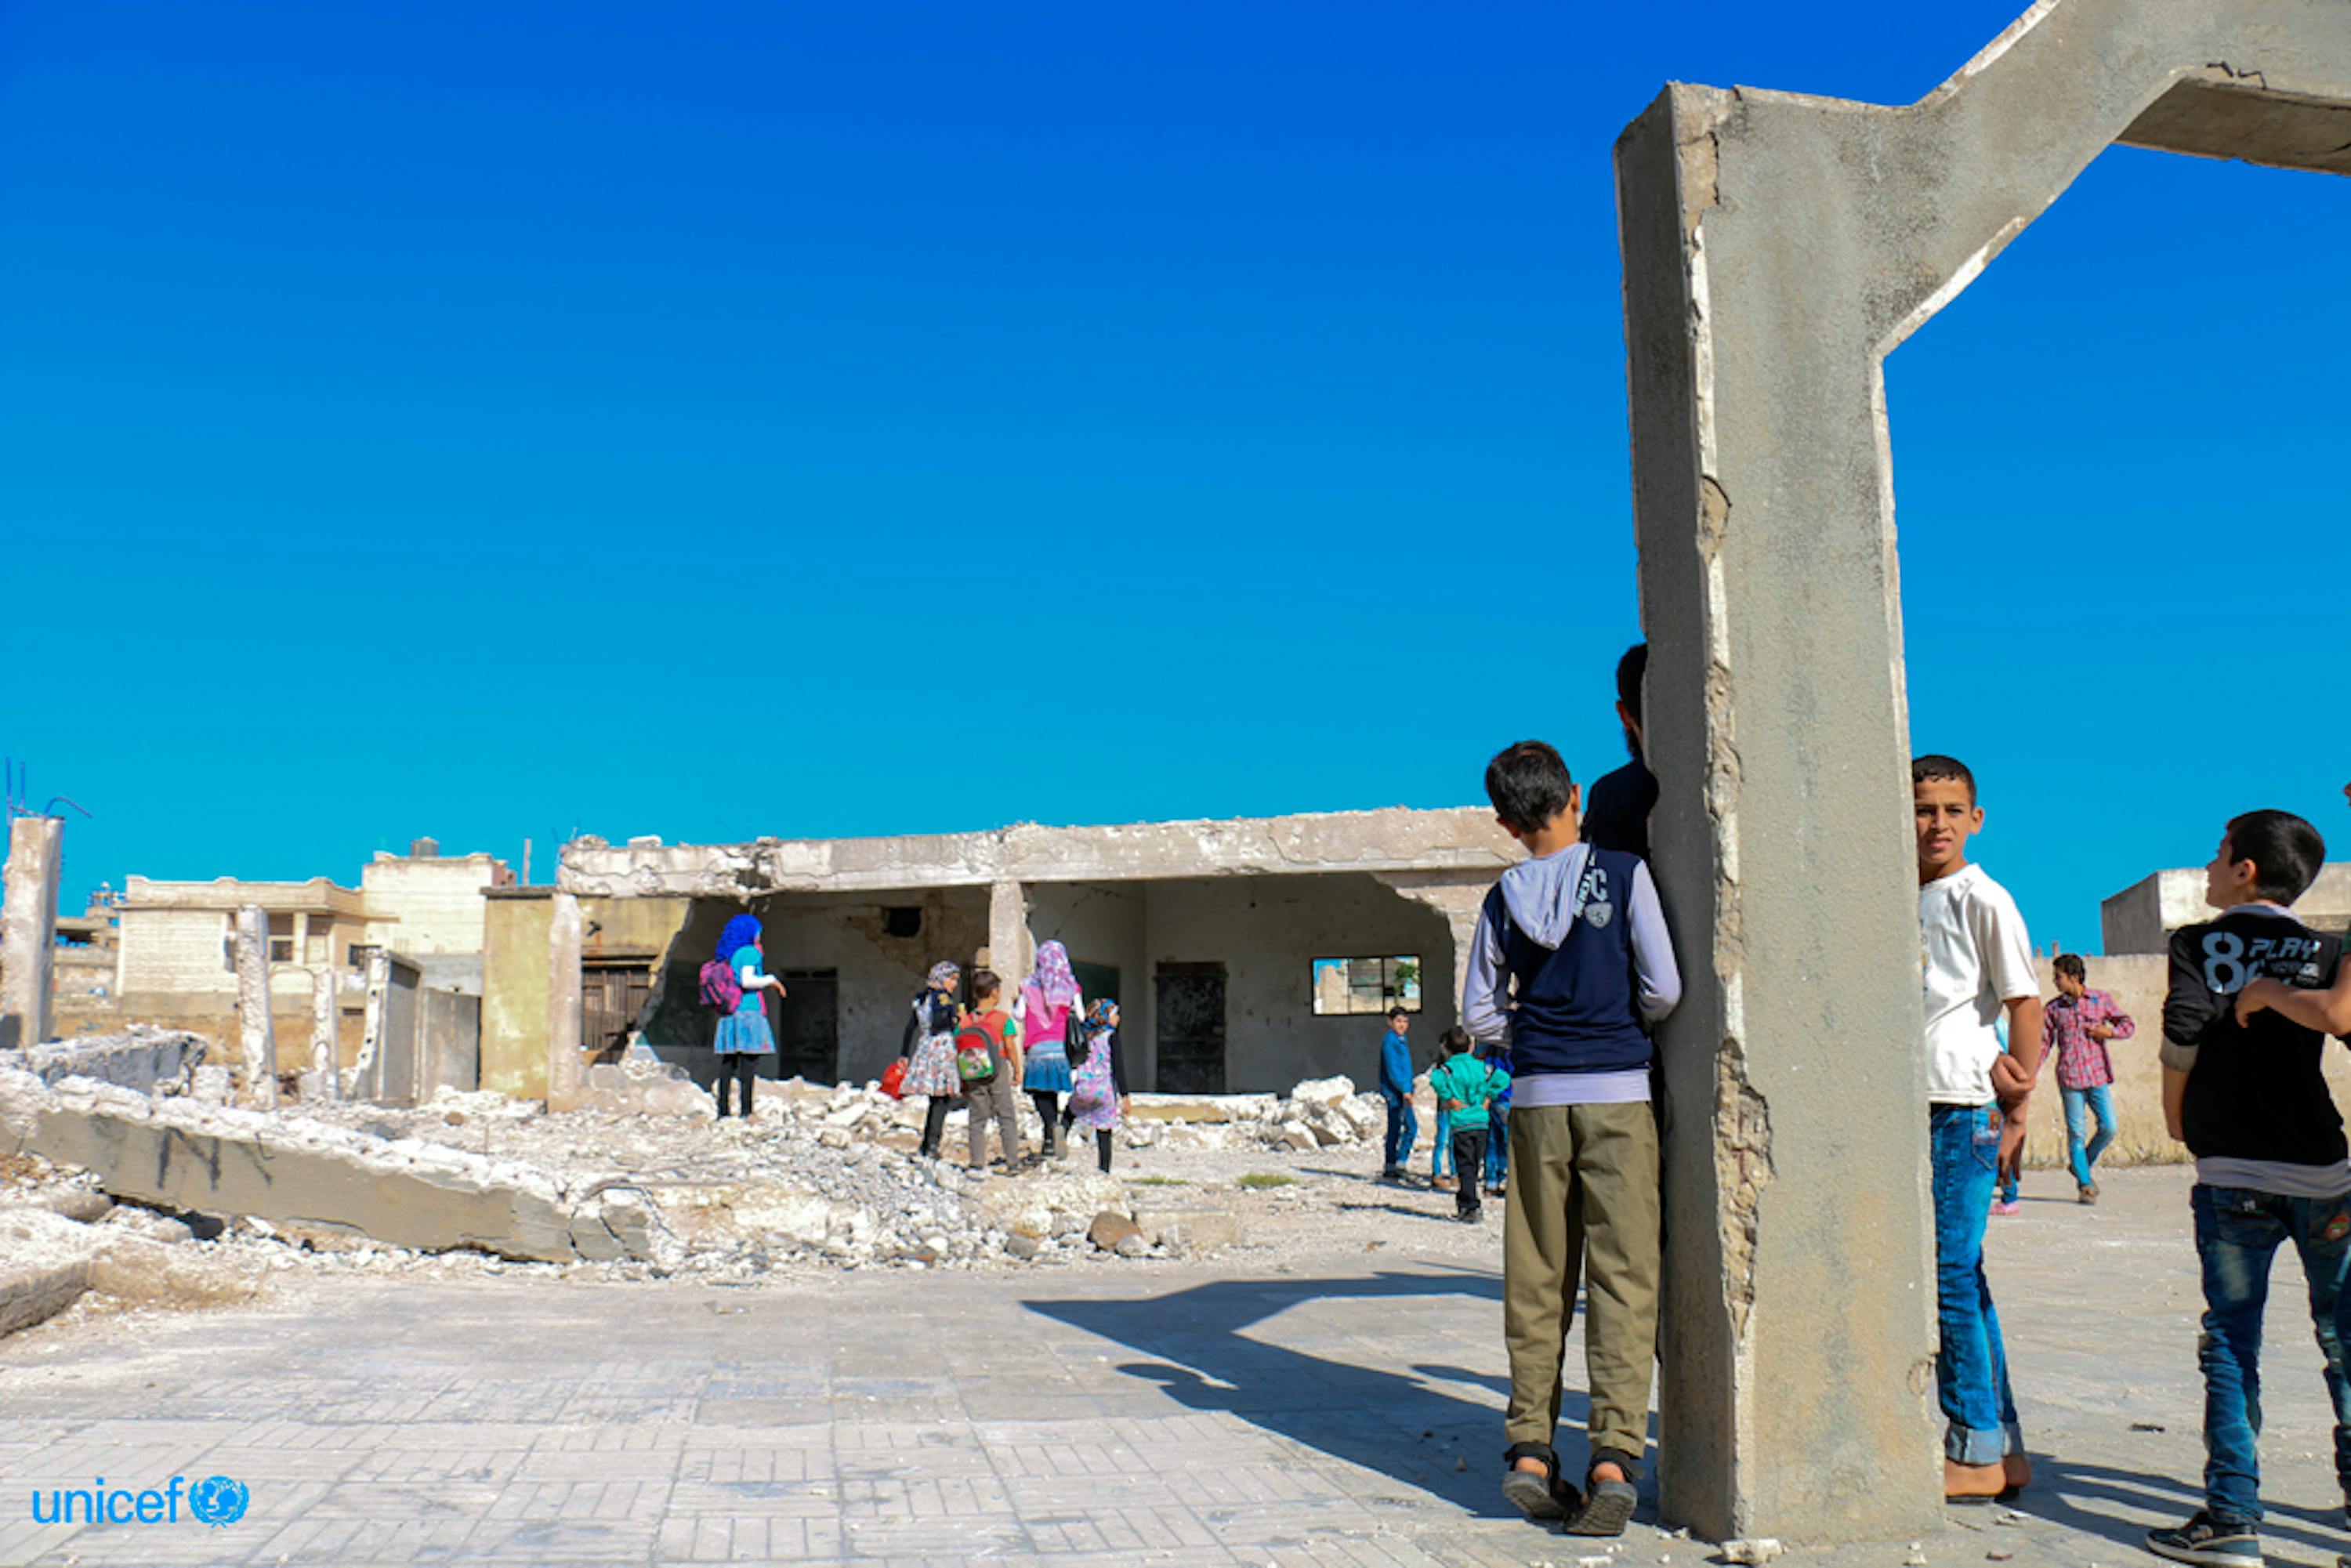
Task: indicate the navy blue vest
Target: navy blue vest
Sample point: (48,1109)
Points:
(1577,1007)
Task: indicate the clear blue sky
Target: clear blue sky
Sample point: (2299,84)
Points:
(493,421)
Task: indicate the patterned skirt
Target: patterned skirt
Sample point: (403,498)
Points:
(931,1070)
(746,1033)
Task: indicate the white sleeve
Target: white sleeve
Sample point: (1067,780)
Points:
(2002,944)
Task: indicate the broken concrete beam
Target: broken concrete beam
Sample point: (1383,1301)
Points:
(140,1058)
(322,1031)
(256,1033)
(178,1154)
(28,923)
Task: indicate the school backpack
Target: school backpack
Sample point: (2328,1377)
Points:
(975,1051)
(720,988)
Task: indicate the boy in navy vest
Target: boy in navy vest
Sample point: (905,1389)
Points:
(1571,969)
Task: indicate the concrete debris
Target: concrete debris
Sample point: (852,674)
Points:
(1758,1550)
(48,1261)
(151,1060)
(1110,1231)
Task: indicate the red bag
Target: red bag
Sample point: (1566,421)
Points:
(894,1078)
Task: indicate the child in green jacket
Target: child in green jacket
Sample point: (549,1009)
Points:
(1464,1086)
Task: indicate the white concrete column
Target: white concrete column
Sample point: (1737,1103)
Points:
(1010,946)
(255,1029)
(379,984)
(565,937)
(28,930)
(322,1030)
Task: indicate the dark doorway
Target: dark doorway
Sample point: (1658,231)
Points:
(1095,981)
(1190,1033)
(806,1024)
(610,997)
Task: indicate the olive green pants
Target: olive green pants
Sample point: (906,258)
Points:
(1583,1186)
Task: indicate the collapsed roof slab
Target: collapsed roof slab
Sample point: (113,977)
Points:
(1463,839)
(1776,249)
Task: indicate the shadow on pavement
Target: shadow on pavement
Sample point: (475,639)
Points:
(2122,1506)
(1384,1419)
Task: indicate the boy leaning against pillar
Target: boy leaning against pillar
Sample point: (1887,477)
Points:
(1977,962)
(1572,968)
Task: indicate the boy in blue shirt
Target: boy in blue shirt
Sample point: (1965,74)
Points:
(1571,968)
(1396,1088)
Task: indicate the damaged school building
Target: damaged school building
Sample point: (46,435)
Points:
(1246,954)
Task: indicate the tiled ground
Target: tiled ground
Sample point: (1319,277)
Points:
(1346,1413)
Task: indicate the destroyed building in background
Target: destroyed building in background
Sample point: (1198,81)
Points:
(1247,954)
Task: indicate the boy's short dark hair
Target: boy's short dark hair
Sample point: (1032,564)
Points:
(2070,964)
(1629,670)
(1935,765)
(1399,1012)
(985,983)
(1529,785)
(2286,853)
(1455,1041)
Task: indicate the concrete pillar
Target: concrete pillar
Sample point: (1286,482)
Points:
(1777,248)
(1010,949)
(379,986)
(28,930)
(322,1030)
(565,936)
(256,1030)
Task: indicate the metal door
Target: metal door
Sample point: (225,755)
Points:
(610,997)
(1190,1033)
(806,1024)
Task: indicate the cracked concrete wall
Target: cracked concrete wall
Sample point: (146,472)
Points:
(1776,247)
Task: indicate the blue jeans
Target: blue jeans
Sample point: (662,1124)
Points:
(2237,1233)
(1970,1362)
(1403,1127)
(1497,1148)
(1440,1158)
(2081,1104)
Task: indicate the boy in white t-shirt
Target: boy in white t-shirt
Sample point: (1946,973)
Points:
(1977,963)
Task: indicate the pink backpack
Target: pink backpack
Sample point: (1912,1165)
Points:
(720,988)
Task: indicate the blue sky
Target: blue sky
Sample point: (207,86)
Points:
(717,420)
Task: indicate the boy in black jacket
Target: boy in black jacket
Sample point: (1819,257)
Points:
(2271,1164)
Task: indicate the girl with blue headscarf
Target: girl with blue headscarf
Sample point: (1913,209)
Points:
(929,1051)
(743,1035)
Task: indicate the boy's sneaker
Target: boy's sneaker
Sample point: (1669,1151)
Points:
(1470,1215)
(2206,1540)
(2088,1194)
(1442,1184)
(2009,1206)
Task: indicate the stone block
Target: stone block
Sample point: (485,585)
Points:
(34,1292)
(1109,1230)
(1189,1229)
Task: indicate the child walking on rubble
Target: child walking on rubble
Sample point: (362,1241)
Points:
(929,1051)
(1098,1092)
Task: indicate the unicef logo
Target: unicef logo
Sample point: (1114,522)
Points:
(218,1501)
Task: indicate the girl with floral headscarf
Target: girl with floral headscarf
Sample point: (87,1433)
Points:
(1098,1097)
(1047,1007)
(743,1035)
(929,1051)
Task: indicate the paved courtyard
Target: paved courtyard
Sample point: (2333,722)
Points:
(1341,1409)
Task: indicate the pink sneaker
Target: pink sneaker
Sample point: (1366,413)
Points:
(2007,1207)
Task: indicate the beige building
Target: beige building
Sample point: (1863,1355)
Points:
(1246,954)
(174,955)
